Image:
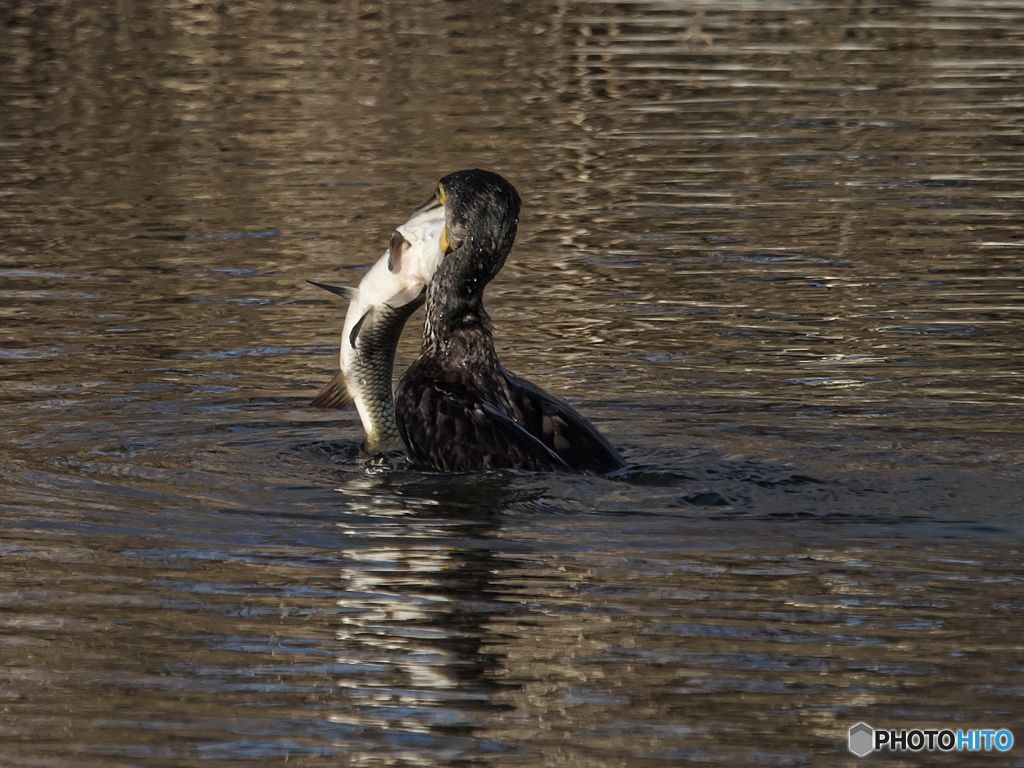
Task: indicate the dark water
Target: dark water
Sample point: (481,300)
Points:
(774,249)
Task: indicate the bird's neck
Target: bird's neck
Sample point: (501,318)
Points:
(457,332)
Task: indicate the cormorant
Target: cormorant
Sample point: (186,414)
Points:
(457,408)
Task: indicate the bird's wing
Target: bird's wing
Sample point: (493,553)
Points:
(559,427)
(454,429)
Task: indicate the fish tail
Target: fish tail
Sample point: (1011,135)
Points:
(335,395)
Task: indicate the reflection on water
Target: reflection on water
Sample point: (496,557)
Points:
(773,250)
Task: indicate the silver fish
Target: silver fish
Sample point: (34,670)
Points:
(386,297)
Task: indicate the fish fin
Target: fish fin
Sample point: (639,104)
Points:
(335,394)
(404,297)
(339,290)
(395,251)
(354,333)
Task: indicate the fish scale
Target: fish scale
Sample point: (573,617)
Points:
(378,310)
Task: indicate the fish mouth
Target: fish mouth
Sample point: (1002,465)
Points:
(437,201)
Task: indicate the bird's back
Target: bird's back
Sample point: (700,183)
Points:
(459,420)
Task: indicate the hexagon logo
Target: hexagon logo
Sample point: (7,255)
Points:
(862,739)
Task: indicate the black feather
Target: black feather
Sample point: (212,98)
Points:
(457,409)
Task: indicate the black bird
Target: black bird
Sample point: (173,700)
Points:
(457,409)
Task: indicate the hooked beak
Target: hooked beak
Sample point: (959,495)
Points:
(430,205)
(433,204)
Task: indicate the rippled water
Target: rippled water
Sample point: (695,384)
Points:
(774,249)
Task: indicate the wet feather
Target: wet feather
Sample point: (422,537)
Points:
(458,409)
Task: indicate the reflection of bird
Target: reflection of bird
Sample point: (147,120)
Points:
(457,408)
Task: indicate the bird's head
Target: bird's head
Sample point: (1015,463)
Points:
(481,218)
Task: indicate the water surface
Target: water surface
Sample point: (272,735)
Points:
(772,249)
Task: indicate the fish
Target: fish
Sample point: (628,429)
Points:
(378,309)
